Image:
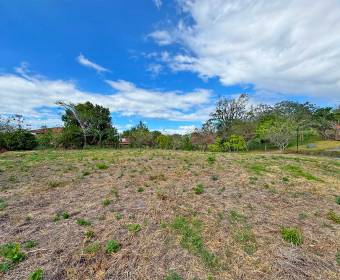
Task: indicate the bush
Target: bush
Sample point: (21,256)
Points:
(46,140)
(18,140)
(235,143)
(71,137)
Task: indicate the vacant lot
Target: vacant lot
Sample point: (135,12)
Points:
(106,214)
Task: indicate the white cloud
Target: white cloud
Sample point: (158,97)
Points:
(291,47)
(158,3)
(183,129)
(162,37)
(35,97)
(87,63)
(155,69)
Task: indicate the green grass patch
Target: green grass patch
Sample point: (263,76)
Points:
(337,257)
(83,222)
(106,202)
(331,215)
(102,166)
(172,275)
(134,228)
(292,235)
(242,232)
(258,168)
(37,274)
(211,159)
(3,204)
(199,189)
(297,171)
(191,239)
(61,215)
(29,244)
(92,248)
(337,200)
(140,189)
(11,254)
(89,234)
(112,246)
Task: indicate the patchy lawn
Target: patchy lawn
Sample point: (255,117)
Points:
(325,148)
(153,214)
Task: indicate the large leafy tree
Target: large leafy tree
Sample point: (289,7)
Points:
(139,135)
(227,112)
(93,120)
(324,120)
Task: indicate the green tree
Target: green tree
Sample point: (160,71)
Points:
(280,132)
(93,120)
(324,120)
(227,112)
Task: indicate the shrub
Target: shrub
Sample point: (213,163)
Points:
(292,235)
(71,137)
(112,246)
(46,140)
(199,189)
(19,139)
(140,189)
(235,143)
(38,274)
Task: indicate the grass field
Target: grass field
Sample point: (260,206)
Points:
(152,214)
(322,148)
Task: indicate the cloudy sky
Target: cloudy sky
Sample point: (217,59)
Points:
(165,61)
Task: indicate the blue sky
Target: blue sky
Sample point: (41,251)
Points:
(164,62)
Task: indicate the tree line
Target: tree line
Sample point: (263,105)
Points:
(234,125)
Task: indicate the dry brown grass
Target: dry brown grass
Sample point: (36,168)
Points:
(257,187)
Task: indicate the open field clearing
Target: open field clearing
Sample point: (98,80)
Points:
(157,214)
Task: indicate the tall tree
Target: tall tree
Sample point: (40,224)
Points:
(228,111)
(93,120)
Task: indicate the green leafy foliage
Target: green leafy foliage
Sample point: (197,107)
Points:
(18,139)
